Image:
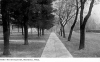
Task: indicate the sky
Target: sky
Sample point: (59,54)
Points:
(95,13)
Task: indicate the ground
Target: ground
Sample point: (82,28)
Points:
(17,49)
(37,45)
(92,45)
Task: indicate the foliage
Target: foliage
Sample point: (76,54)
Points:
(41,14)
(65,11)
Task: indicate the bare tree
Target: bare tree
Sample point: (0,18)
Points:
(75,20)
(83,22)
(65,13)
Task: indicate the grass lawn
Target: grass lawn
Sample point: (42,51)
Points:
(33,50)
(92,45)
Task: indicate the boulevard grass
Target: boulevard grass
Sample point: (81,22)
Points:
(92,45)
(18,49)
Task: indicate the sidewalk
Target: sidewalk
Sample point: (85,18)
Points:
(55,48)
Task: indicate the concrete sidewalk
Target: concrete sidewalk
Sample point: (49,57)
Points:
(55,48)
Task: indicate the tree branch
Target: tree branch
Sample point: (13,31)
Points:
(69,19)
(89,12)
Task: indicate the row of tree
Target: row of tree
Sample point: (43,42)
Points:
(74,10)
(25,13)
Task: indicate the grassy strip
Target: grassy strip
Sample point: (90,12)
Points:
(92,45)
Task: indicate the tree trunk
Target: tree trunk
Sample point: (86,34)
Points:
(26,35)
(63,30)
(25,32)
(6,35)
(38,32)
(42,31)
(72,27)
(9,26)
(83,23)
(70,34)
(82,32)
(22,30)
(5,19)
(6,42)
(82,38)
(6,38)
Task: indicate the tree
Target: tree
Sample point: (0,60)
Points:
(76,16)
(25,11)
(5,18)
(19,8)
(8,11)
(42,16)
(65,13)
(83,22)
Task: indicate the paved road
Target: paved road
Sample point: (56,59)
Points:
(55,49)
